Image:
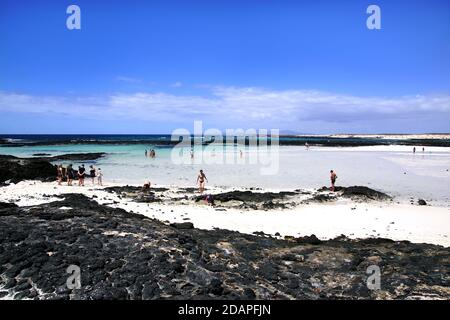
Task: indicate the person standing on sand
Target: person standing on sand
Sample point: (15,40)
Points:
(69,175)
(414,150)
(201,181)
(92,174)
(59,170)
(100,177)
(81,174)
(333,178)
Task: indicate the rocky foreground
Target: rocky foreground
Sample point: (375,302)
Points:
(127,256)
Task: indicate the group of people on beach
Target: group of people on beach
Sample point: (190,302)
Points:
(414,149)
(69,174)
(150,153)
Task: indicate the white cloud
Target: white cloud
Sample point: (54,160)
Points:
(128,79)
(176,84)
(232,106)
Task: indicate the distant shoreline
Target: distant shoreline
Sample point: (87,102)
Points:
(336,140)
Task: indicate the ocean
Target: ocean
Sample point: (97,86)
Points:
(393,169)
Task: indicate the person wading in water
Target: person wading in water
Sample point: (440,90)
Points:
(333,178)
(201,181)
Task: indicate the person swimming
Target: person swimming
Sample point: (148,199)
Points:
(201,178)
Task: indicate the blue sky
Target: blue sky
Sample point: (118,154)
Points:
(154,66)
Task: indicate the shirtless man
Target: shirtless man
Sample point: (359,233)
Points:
(201,181)
(333,177)
(146,186)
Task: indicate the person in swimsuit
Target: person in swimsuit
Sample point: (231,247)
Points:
(201,181)
(81,174)
(92,174)
(59,174)
(209,199)
(146,186)
(333,178)
(100,177)
(70,175)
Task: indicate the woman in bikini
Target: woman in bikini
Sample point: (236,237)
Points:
(92,172)
(70,175)
(201,181)
(60,174)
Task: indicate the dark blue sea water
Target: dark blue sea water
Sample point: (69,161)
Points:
(166,138)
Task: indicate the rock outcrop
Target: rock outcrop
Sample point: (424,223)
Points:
(17,169)
(127,256)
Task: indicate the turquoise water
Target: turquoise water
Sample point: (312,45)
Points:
(394,169)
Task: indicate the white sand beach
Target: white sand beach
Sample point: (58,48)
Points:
(397,221)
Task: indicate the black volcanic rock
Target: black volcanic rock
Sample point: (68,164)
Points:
(127,256)
(422,202)
(75,157)
(39,168)
(4,205)
(41,154)
(182,225)
(364,192)
(353,192)
(17,169)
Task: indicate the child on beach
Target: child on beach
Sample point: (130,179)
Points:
(99,176)
(209,199)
